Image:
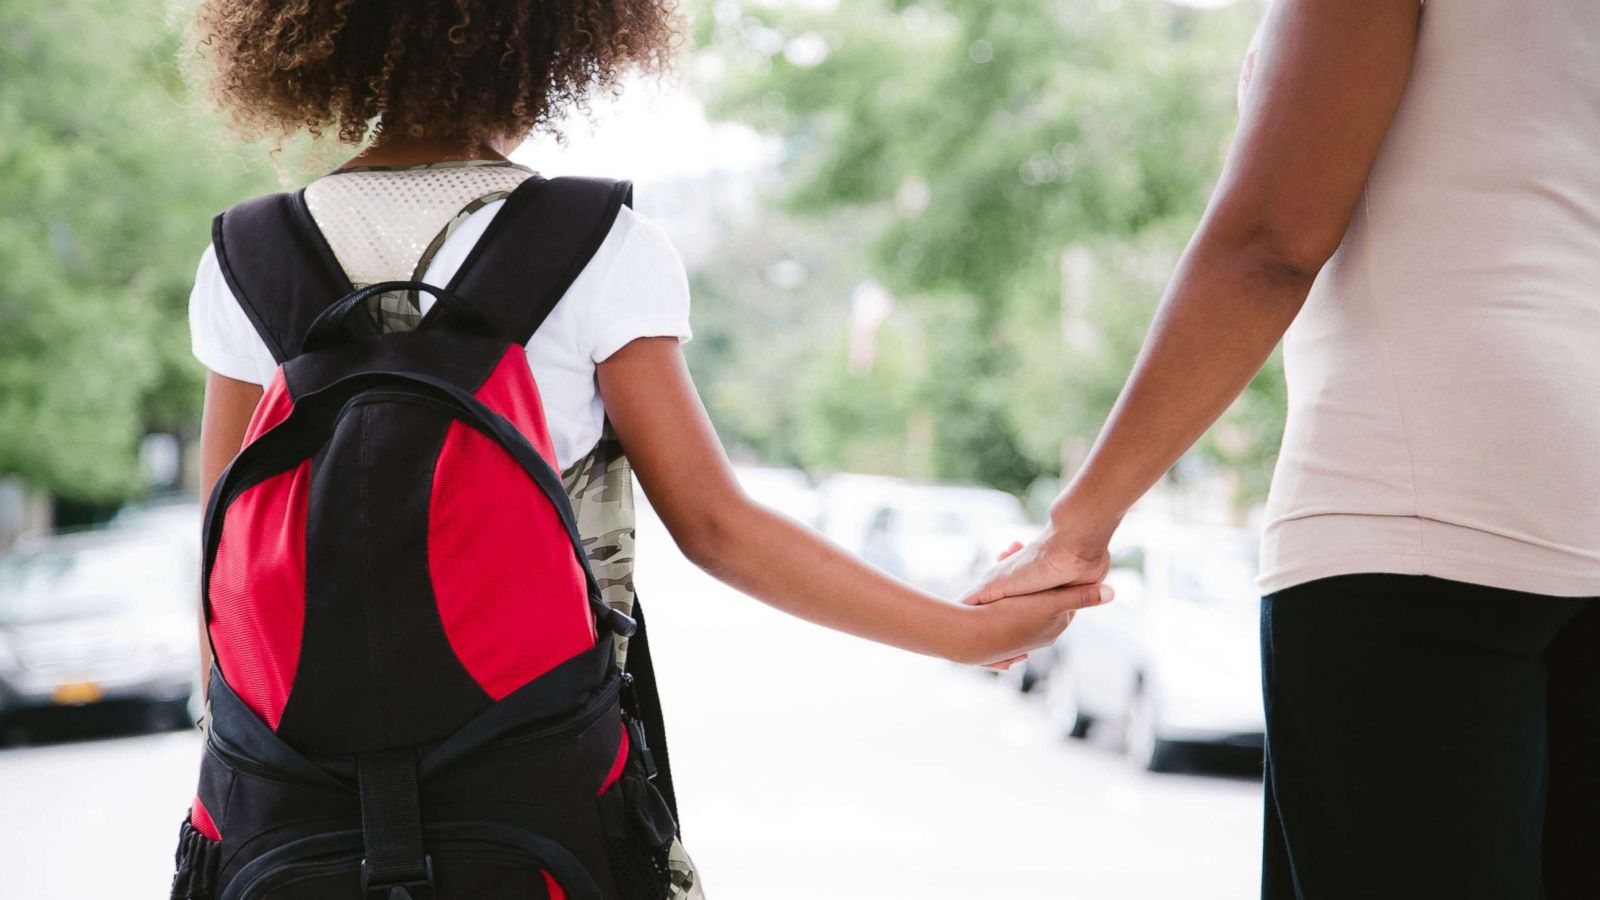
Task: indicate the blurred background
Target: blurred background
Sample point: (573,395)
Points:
(925,239)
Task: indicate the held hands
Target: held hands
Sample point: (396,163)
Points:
(1046,563)
(1042,571)
(1000,633)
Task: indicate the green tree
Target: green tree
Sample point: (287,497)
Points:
(1003,139)
(108,180)
(774,293)
(772,357)
(866,420)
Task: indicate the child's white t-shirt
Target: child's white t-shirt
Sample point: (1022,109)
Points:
(634,287)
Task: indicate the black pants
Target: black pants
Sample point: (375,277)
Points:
(1430,739)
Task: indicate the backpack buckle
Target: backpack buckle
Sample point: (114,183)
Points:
(416,889)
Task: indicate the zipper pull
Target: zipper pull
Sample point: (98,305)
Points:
(637,738)
(630,721)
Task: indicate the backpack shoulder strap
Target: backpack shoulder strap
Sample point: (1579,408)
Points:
(279,267)
(536,246)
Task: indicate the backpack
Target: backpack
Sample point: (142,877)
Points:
(418,689)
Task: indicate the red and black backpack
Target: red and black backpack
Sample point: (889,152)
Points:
(415,693)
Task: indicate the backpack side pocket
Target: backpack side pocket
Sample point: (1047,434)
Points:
(198,858)
(639,831)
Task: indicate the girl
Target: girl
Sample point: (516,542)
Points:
(436,96)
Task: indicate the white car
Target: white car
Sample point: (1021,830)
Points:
(1175,660)
(937,536)
(788,491)
(99,616)
(849,502)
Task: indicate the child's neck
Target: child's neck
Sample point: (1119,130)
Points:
(401,152)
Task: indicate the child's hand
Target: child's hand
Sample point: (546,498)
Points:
(999,633)
(1005,664)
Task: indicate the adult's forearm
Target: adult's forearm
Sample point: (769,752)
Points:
(1226,309)
(1326,82)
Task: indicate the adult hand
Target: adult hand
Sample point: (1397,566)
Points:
(1055,559)
(1007,629)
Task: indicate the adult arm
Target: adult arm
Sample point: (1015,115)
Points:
(657,414)
(1323,88)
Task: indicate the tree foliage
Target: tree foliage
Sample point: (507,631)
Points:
(108,180)
(774,291)
(1023,155)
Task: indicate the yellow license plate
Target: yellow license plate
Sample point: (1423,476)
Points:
(78,693)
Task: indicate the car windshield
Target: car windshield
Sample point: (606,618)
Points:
(74,581)
(1218,573)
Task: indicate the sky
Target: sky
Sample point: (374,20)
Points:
(655,132)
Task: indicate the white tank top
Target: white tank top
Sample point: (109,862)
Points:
(1444,376)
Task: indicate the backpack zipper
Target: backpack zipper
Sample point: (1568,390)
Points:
(585,717)
(249,766)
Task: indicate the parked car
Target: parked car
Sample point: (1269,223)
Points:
(937,536)
(1174,661)
(99,616)
(849,502)
(177,515)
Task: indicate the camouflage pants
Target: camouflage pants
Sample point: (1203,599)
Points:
(600,487)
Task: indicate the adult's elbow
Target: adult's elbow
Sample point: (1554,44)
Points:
(1289,254)
(1295,255)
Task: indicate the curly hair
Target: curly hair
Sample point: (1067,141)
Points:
(458,70)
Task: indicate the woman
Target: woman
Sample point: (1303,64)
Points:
(1417,188)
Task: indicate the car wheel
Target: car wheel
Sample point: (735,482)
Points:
(1022,677)
(1145,747)
(1061,704)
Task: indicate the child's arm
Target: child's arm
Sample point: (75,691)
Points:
(653,405)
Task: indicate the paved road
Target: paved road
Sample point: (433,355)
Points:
(809,766)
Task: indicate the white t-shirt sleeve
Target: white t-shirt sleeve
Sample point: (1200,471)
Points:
(639,289)
(220,334)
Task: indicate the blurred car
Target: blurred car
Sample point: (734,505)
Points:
(1175,660)
(788,491)
(99,616)
(938,536)
(848,503)
(177,515)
